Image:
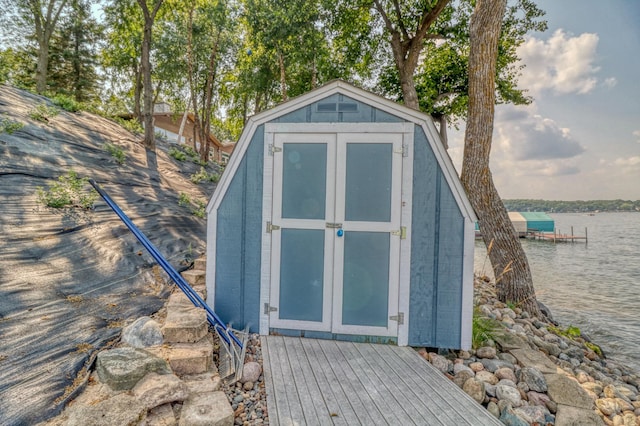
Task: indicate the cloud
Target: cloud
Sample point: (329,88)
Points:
(631,163)
(636,133)
(610,82)
(523,135)
(563,64)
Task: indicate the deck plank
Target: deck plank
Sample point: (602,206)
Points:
(343,383)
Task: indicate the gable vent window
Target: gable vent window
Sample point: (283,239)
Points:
(337,107)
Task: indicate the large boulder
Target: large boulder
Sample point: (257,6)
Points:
(122,368)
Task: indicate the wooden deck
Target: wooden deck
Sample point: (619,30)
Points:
(326,382)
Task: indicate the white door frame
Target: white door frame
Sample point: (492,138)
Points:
(266,278)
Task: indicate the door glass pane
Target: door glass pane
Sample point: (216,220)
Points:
(301,274)
(304,180)
(368,186)
(365,291)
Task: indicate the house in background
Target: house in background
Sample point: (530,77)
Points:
(341,216)
(168,124)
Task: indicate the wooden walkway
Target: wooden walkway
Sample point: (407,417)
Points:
(326,382)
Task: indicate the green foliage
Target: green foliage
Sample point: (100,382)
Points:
(177,154)
(68,191)
(66,103)
(116,152)
(203,175)
(571,332)
(9,126)
(131,125)
(197,207)
(43,112)
(483,329)
(184,200)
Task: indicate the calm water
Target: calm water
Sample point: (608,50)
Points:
(594,286)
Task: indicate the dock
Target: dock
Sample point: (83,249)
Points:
(557,237)
(328,382)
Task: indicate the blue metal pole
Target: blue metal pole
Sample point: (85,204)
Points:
(194,297)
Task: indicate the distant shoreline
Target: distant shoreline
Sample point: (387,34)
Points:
(590,206)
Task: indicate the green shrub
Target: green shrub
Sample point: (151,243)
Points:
(68,191)
(116,152)
(177,154)
(9,126)
(202,175)
(484,329)
(43,112)
(197,207)
(131,125)
(67,103)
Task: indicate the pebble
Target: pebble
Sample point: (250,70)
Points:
(517,395)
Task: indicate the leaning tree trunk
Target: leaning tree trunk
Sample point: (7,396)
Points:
(513,277)
(147,90)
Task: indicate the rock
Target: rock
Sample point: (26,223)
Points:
(210,409)
(492,407)
(593,387)
(155,390)
(533,378)
(120,410)
(507,382)
(161,416)
(476,366)
(462,377)
(509,418)
(142,333)
(487,377)
(251,372)
(532,414)
(509,394)
(629,419)
(486,352)
(461,367)
(490,390)
(507,357)
(475,389)
(505,373)
(441,363)
(536,398)
(122,368)
(530,358)
(583,377)
(565,391)
(574,416)
(494,364)
(247,386)
(549,348)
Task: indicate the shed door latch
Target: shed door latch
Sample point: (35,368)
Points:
(268,308)
(334,225)
(399,318)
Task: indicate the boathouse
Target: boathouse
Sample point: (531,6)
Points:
(341,216)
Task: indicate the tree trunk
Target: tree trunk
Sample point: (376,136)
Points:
(137,94)
(147,93)
(42,65)
(513,277)
(283,76)
(44,27)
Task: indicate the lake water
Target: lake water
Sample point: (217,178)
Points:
(594,286)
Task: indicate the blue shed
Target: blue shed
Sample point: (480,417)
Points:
(341,216)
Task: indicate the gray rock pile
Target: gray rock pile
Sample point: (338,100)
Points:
(533,373)
(159,375)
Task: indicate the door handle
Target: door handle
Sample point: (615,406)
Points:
(340,232)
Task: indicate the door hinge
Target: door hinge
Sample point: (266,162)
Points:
(334,225)
(399,318)
(402,233)
(271,227)
(268,309)
(404,150)
(273,148)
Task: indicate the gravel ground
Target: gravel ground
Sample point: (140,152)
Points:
(249,399)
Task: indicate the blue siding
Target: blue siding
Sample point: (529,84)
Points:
(363,113)
(238,241)
(437,247)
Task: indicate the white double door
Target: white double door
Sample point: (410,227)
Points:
(335,256)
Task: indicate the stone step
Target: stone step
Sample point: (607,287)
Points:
(194,277)
(201,290)
(184,323)
(207,409)
(200,264)
(187,358)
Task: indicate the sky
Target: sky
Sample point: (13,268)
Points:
(580,138)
